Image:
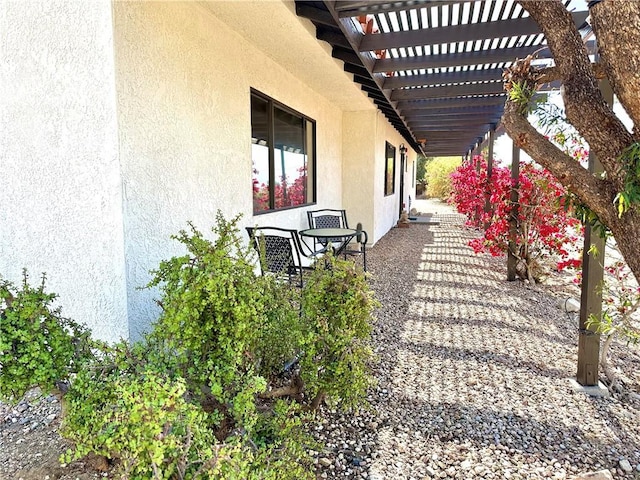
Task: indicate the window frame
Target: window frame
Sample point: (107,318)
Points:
(389,169)
(311,166)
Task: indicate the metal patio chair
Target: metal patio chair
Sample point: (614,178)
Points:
(333,218)
(282,253)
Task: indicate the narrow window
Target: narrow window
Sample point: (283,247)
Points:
(389,169)
(283,153)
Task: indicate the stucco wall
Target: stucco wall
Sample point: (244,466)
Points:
(358,172)
(183,81)
(386,207)
(60,193)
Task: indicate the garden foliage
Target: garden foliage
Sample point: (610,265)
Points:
(223,385)
(38,346)
(438,176)
(545,227)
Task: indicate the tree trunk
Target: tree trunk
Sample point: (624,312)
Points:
(617,27)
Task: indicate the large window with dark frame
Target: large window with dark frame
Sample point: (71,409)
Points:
(283,149)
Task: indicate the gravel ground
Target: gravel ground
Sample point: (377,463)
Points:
(474,375)
(473,381)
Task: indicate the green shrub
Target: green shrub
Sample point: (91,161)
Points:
(38,346)
(219,389)
(143,421)
(337,307)
(438,176)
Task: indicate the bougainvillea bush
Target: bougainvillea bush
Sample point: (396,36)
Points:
(545,227)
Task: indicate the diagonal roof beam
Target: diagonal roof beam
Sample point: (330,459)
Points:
(367,60)
(316,15)
(441,78)
(456,33)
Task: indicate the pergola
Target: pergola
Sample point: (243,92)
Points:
(433,67)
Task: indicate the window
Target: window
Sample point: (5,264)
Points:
(389,169)
(283,152)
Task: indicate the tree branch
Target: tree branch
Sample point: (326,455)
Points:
(566,169)
(617,28)
(584,104)
(551,74)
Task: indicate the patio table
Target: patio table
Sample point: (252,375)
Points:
(328,234)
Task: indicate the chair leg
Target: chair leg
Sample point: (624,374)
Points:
(364,257)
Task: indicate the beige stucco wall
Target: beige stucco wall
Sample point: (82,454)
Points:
(358,172)
(386,208)
(365,134)
(124,120)
(60,190)
(183,82)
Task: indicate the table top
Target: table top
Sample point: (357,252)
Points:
(328,232)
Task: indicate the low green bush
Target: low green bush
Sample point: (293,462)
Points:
(38,346)
(223,384)
(337,308)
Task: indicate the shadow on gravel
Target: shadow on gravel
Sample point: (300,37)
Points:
(513,362)
(474,367)
(538,333)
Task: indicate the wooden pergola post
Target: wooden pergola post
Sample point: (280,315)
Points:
(591,289)
(513,220)
(487,193)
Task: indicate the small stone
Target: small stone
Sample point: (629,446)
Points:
(479,469)
(625,465)
(600,475)
(325,462)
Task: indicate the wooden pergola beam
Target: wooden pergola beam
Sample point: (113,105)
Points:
(448,91)
(498,55)
(456,33)
(410,106)
(443,78)
(371,7)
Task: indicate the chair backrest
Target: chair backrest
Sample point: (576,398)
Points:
(279,250)
(327,218)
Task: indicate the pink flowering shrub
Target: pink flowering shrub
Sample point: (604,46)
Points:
(545,227)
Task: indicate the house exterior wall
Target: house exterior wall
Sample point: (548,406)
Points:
(183,84)
(60,193)
(125,120)
(385,207)
(358,169)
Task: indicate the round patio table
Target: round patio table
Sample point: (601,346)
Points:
(343,235)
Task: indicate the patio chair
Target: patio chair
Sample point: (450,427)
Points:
(282,253)
(328,218)
(332,218)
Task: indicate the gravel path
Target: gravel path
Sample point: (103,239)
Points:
(473,375)
(473,381)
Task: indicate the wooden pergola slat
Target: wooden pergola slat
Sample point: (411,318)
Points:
(440,78)
(448,91)
(369,7)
